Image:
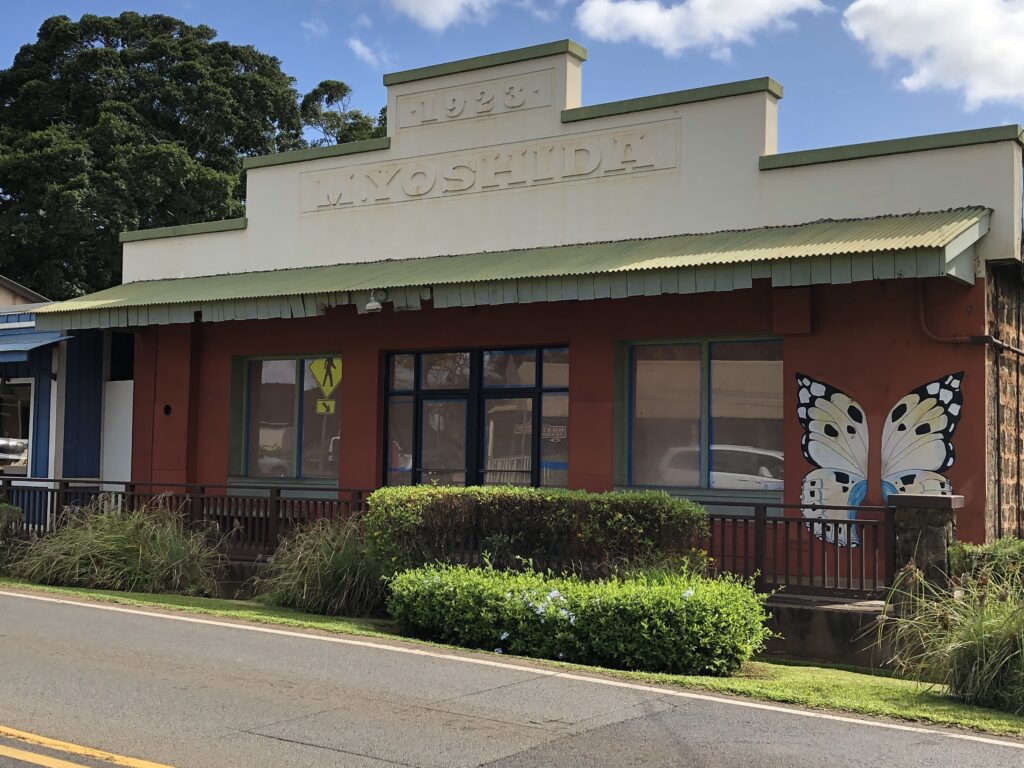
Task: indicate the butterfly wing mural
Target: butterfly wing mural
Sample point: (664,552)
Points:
(916,438)
(835,440)
(916,448)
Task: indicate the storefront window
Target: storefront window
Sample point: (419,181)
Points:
(707,415)
(508,441)
(443,442)
(746,415)
(494,417)
(554,439)
(294,431)
(15,426)
(445,370)
(666,415)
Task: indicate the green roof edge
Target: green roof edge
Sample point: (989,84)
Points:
(316,153)
(689,96)
(891,147)
(490,60)
(202,228)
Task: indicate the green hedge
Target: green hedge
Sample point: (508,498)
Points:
(587,533)
(1003,557)
(676,623)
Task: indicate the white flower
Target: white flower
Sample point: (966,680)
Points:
(554,594)
(503,636)
(688,594)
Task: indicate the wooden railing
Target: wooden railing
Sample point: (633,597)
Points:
(847,551)
(248,521)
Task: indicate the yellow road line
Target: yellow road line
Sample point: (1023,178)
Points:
(33,759)
(63,746)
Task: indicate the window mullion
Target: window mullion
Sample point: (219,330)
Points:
(705,416)
(474,418)
(300,384)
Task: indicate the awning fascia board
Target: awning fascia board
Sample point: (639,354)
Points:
(618,271)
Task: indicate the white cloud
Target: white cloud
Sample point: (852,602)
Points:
(672,28)
(438,15)
(362,21)
(367,54)
(315,27)
(974,47)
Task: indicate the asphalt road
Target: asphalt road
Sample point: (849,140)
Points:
(195,693)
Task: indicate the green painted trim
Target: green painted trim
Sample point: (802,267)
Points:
(202,228)
(676,98)
(892,147)
(316,153)
(236,439)
(491,60)
(621,414)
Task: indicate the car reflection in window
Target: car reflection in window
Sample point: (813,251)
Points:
(736,467)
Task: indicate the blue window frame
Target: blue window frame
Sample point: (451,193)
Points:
(472,417)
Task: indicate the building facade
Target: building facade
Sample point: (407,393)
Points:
(512,287)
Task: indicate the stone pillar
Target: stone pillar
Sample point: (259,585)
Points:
(925,529)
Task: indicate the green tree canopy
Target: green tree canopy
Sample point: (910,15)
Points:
(325,109)
(117,123)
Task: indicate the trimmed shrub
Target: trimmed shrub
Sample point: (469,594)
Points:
(591,534)
(677,623)
(10,528)
(324,567)
(969,638)
(104,547)
(1001,557)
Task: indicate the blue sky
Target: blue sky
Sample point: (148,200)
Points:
(853,71)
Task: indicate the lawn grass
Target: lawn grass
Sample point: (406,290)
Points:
(813,687)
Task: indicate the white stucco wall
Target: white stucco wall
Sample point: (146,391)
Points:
(537,181)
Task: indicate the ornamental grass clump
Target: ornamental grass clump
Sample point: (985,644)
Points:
(678,623)
(10,528)
(103,546)
(325,568)
(969,637)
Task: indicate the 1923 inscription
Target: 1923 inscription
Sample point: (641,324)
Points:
(477,100)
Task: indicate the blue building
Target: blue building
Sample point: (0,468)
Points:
(65,398)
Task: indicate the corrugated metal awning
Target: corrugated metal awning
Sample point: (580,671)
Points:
(830,251)
(15,347)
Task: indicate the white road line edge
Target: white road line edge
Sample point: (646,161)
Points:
(527,669)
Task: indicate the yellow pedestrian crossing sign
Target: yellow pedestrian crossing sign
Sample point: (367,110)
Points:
(327,373)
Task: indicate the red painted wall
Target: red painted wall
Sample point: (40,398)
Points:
(867,341)
(863,338)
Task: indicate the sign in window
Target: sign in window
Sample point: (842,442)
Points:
(293,419)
